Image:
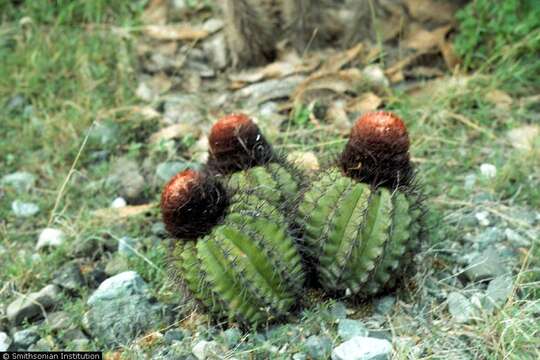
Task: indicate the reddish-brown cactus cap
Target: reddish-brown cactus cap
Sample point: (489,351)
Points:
(378,151)
(237,143)
(191,204)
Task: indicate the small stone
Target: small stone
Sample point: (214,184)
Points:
(50,238)
(119,202)
(146,92)
(116,265)
(482,217)
(347,329)
(59,320)
(69,277)
(384,305)
(41,345)
(5,341)
(24,209)
(124,284)
(459,307)
(488,171)
(127,246)
(206,350)
(499,290)
(515,238)
(102,134)
(23,339)
(81,344)
(166,170)
(158,229)
(375,75)
(126,174)
(318,347)
(21,181)
(363,348)
(299,356)
(121,309)
(216,51)
(184,109)
(173,335)
(16,103)
(470,181)
(212,25)
(74,334)
(263,91)
(486,265)
(232,337)
(490,236)
(523,138)
(338,311)
(30,306)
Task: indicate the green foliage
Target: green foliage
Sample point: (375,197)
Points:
(247,269)
(72,12)
(492,31)
(358,236)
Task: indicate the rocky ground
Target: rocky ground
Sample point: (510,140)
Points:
(83,251)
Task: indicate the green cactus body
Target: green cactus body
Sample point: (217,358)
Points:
(357,235)
(271,182)
(248,268)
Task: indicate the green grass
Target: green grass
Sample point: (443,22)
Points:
(73,74)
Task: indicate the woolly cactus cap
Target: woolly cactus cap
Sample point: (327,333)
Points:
(192,204)
(378,151)
(236,143)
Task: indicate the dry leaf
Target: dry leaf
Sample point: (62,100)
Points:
(174,32)
(395,72)
(304,160)
(425,71)
(421,39)
(290,65)
(174,131)
(147,112)
(450,57)
(437,10)
(124,212)
(336,115)
(337,61)
(155,12)
(338,82)
(364,103)
(500,99)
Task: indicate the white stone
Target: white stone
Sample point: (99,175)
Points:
(5,341)
(482,217)
(459,307)
(206,350)
(119,202)
(24,209)
(50,237)
(375,74)
(489,171)
(121,284)
(363,348)
(20,180)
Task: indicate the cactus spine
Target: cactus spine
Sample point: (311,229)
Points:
(247,269)
(362,222)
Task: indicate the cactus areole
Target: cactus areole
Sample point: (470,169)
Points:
(236,143)
(378,151)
